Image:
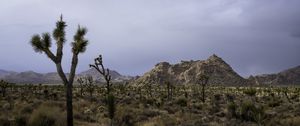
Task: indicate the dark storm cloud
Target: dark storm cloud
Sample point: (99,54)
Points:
(254,36)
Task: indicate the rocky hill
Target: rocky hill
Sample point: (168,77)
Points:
(286,77)
(53,78)
(117,77)
(4,73)
(187,72)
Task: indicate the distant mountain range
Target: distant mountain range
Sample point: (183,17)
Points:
(287,77)
(185,72)
(31,77)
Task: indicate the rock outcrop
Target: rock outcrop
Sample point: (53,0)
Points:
(187,72)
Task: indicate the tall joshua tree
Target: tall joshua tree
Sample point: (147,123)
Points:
(203,80)
(42,44)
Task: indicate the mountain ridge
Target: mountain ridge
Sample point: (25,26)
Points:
(53,77)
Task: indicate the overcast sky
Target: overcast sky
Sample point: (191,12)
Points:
(253,36)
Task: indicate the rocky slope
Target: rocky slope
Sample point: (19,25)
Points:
(53,78)
(187,72)
(286,77)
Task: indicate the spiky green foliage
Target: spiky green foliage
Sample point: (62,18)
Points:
(80,43)
(59,31)
(36,43)
(41,43)
(46,40)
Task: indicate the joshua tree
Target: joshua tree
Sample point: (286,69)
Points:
(203,80)
(81,83)
(88,83)
(169,90)
(104,72)
(42,44)
(3,85)
(110,97)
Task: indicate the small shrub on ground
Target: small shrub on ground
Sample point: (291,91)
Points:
(181,101)
(47,116)
(232,110)
(250,112)
(250,92)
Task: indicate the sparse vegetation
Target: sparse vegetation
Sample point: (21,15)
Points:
(223,106)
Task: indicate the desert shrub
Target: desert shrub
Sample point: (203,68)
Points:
(250,112)
(21,120)
(4,121)
(166,120)
(181,101)
(232,109)
(125,116)
(293,121)
(230,97)
(47,116)
(250,92)
(274,103)
(149,101)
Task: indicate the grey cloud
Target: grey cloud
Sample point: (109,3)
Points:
(257,36)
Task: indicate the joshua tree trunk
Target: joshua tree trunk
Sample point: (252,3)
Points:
(3,92)
(203,93)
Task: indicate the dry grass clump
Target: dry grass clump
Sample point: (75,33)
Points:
(47,116)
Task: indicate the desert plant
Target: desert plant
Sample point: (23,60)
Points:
(46,116)
(111,107)
(203,80)
(170,89)
(88,83)
(285,92)
(4,85)
(181,101)
(250,92)
(104,72)
(42,44)
(231,108)
(81,85)
(251,112)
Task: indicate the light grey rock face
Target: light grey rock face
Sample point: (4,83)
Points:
(286,77)
(187,72)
